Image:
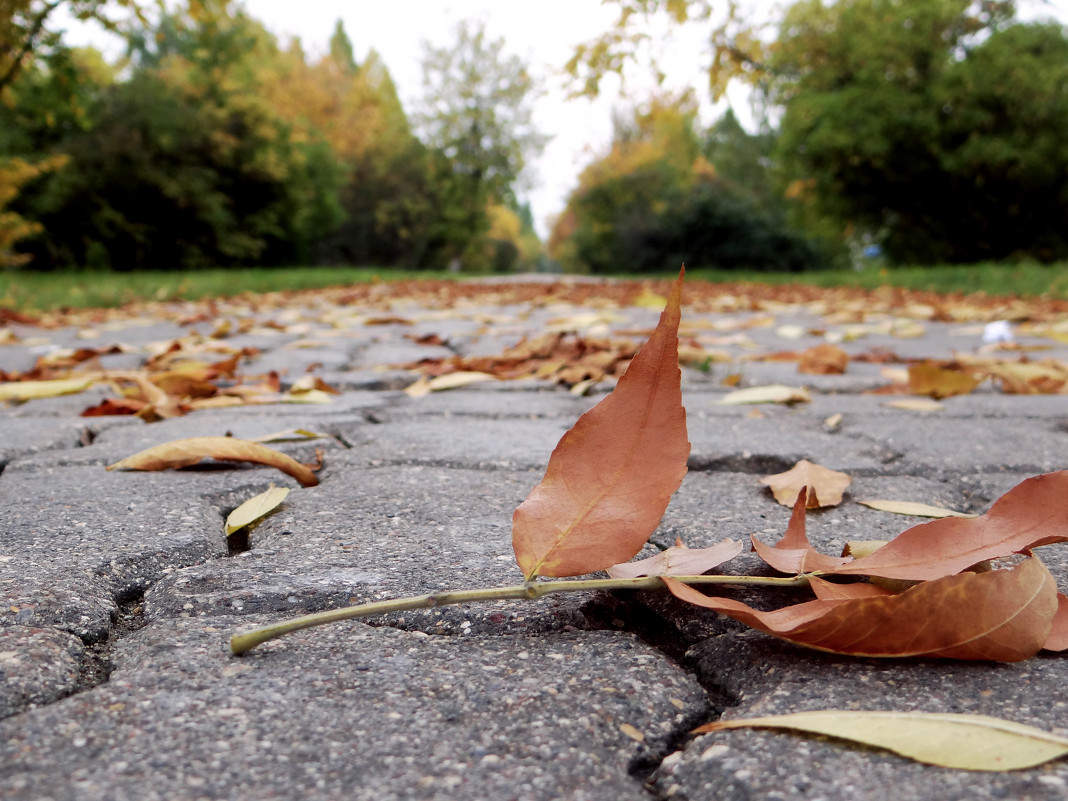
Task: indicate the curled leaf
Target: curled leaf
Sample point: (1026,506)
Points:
(185,452)
(254,508)
(611,476)
(825,486)
(1000,615)
(678,560)
(1027,516)
(964,742)
(793,553)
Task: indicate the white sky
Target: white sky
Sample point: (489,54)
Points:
(543,33)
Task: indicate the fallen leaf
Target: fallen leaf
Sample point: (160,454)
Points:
(830,591)
(916,405)
(185,452)
(33,390)
(833,423)
(825,486)
(678,560)
(1027,516)
(913,508)
(963,742)
(1058,636)
(823,360)
(939,382)
(771,393)
(254,508)
(1000,615)
(290,435)
(611,476)
(793,553)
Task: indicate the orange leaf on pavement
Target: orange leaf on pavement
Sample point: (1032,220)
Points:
(1000,615)
(793,553)
(1027,516)
(185,452)
(939,382)
(823,360)
(825,486)
(611,476)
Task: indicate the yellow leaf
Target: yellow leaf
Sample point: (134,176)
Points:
(916,405)
(650,300)
(255,508)
(290,435)
(772,393)
(964,742)
(913,508)
(31,390)
(461,378)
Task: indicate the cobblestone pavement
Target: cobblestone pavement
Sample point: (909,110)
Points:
(120,590)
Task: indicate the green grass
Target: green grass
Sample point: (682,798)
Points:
(39,292)
(1026,279)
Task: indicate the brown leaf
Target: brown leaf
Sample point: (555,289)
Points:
(939,382)
(185,452)
(1000,615)
(829,591)
(678,560)
(1058,636)
(793,553)
(823,360)
(825,486)
(1027,516)
(611,476)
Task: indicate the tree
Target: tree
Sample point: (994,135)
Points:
(477,117)
(654,201)
(936,126)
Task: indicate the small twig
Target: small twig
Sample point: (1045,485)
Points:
(248,640)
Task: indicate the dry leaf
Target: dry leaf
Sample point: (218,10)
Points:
(185,452)
(793,553)
(1058,636)
(1000,615)
(292,434)
(611,476)
(938,382)
(31,390)
(916,405)
(772,393)
(963,742)
(913,508)
(823,360)
(678,560)
(825,486)
(1027,516)
(255,508)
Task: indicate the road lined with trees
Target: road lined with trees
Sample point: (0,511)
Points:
(925,130)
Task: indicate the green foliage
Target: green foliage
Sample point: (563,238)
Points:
(654,201)
(478,121)
(935,126)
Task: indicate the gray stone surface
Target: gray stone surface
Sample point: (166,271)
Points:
(119,591)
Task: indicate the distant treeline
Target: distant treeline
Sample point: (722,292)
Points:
(912,131)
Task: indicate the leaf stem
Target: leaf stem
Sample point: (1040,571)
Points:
(245,641)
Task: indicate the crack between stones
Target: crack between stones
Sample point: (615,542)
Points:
(621,611)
